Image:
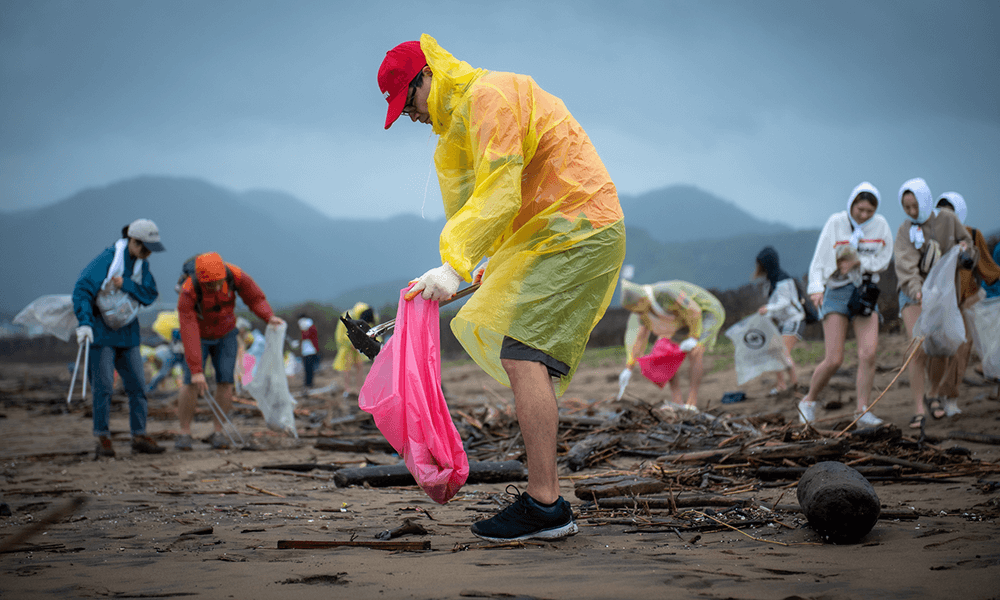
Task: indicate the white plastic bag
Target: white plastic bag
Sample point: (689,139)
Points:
(118,308)
(52,314)
(270,384)
(940,321)
(986,334)
(759,347)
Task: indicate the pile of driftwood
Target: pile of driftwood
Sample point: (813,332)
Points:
(688,473)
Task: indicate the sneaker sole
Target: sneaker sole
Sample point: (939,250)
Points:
(545,534)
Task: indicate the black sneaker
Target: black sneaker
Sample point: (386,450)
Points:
(525,519)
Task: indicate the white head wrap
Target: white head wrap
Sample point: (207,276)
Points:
(956,200)
(858,228)
(925,204)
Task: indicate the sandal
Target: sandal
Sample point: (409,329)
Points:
(934,407)
(917,422)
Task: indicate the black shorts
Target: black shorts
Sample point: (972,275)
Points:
(515,350)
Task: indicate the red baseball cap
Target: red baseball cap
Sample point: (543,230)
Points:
(399,67)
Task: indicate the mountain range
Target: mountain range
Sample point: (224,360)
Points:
(298,254)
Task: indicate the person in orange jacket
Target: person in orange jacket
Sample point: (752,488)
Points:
(206,307)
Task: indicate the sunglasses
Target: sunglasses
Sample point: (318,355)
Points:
(409,108)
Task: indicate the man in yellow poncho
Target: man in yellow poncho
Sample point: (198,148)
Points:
(524,188)
(667,309)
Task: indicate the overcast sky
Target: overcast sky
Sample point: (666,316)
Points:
(780,107)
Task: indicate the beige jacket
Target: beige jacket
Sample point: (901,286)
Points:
(946,228)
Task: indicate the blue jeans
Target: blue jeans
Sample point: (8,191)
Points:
(309,363)
(104,361)
(174,358)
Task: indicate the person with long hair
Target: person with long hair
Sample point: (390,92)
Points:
(784,308)
(853,248)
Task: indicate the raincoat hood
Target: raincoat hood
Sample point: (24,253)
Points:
(359,312)
(450,82)
(925,200)
(956,200)
(768,261)
(864,186)
(633,293)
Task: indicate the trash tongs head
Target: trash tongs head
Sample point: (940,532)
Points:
(358,333)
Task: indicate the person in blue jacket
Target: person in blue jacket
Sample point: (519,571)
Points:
(121,266)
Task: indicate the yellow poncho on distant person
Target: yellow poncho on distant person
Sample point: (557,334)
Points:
(671,306)
(347,357)
(522,185)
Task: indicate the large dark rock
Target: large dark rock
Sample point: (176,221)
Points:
(838,501)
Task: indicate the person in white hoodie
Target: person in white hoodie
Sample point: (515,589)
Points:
(853,248)
(922,238)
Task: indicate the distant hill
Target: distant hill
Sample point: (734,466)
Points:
(683,213)
(298,254)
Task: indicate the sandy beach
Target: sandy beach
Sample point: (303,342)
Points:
(207,523)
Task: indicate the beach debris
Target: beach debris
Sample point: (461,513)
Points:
(409,527)
(838,501)
(12,542)
(397,475)
(374,545)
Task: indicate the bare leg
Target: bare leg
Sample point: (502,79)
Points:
(185,406)
(834,334)
(918,363)
(538,417)
(790,341)
(866,332)
(696,357)
(675,391)
(224,396)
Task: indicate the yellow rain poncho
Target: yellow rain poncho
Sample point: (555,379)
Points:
(166,322)
(522,185)
(347,357)
(669,306)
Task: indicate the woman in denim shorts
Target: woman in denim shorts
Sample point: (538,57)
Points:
(854,245)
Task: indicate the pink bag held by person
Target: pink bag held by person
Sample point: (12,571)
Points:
(403,394)
(660,365)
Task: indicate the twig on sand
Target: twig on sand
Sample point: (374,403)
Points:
(54,516)
(756,539)
(263,491)
(915,347)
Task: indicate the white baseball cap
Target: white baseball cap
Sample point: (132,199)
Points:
(146,232)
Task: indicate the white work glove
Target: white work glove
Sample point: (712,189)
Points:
(623,378)
(440,283)
(688,345)
(84,333)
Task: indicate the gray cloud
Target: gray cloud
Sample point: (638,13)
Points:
(779,106)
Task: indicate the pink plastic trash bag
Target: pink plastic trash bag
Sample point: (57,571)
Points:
(403,394)
(660,365)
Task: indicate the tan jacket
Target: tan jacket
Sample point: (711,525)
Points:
(943,227)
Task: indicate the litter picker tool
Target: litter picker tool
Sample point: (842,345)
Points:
(227,426)
(84,348)
(363,337)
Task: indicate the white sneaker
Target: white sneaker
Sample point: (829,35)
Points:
(807,411)
(870,420)
(951,407)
